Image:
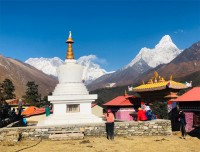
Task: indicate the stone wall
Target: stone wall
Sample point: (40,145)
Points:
(132,128)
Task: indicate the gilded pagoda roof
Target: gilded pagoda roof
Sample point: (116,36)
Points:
(159,86)
(158,83)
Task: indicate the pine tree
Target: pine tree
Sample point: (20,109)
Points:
(160,108)
(7,89)
(32,96)
(45,100)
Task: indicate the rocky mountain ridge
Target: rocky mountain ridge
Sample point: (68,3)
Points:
(20,73)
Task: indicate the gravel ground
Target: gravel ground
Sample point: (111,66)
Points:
(171,143)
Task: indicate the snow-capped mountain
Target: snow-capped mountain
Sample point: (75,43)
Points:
(46,65)
(49,66)
(164,52)
(93,70)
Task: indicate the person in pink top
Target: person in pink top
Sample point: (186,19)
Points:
(110,125)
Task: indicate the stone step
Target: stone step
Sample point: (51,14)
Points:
(63,132)
(66,136)
(10,136)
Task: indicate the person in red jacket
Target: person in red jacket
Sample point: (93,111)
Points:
(141,115)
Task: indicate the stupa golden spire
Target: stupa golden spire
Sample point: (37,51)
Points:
(70,54)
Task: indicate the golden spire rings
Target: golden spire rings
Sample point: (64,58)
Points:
(70,54)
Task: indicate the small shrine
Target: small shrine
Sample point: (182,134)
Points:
(71,99)
(159,89)
(123,106)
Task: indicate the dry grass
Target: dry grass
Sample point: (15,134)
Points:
(100,144)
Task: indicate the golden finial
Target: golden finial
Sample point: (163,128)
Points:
(155,74)
(70,54)
(159,79)
(162,79)
(150,81)
(171,77)
(142,82)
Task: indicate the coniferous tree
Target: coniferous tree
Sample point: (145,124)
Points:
(99,101)
(32,96)
(45,100)
(7,89)
(160,109)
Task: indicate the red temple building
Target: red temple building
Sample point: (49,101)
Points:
(190,104)
(123,106)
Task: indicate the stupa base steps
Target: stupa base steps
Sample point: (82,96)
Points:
(66,135)
(69,119)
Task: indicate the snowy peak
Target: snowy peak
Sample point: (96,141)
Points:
(93,70)
(166,41)
(49,66)
(88,61)
(164,52)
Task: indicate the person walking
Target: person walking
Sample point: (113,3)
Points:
(110,125)
(182,123)
(47,110)
(19,107)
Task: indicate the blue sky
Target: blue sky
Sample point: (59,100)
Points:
(114,31)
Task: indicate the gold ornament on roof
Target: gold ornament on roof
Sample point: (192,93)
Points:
(171,77)
(150,81)
(156,78)
(156,74)
(161,79)
(70,54)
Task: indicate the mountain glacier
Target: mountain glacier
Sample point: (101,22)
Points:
(93,70)
(46,65)
(49,66)
(164,52)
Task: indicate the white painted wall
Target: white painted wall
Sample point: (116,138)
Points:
(85,108)
(59,109)
(70,72)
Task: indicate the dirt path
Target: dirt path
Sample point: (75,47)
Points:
(100,144)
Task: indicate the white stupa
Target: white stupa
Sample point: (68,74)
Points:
(71,99)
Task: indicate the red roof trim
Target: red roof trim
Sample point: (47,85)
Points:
(120,101)
(192,95)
